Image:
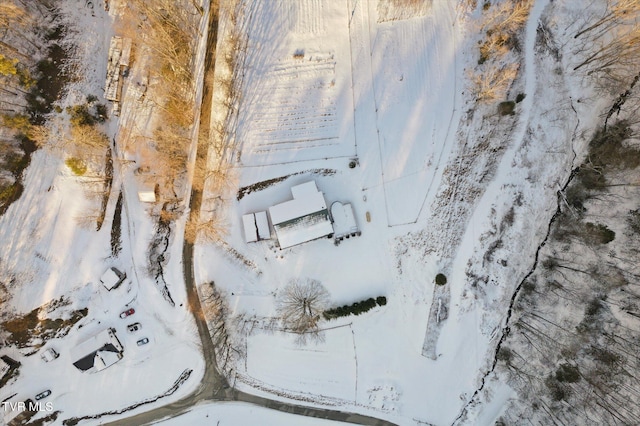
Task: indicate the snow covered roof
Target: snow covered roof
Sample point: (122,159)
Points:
(304,189)
(125,54)
(305,201)
(303,229)
(106,358)
(262,223)
(111,91)
(302,219)
(112,278)
(147,196)
(250,230)
(91,352)
(256,227)
(4,367)
(344,222)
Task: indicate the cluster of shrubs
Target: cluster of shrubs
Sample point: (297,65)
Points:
(88,114)
(355,309)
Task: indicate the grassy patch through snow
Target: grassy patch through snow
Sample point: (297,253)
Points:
(76,165)
(34,328)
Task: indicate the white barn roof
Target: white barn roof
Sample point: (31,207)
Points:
(302,219)
(262,223)
(307,188)
(296,208)
(306,228)
(249,225)
(256,227)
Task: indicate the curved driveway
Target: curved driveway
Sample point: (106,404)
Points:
(214,386)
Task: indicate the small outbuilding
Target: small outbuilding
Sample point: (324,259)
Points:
(304,218)
(112,278)
(147,194)
(256,227)
(344,221)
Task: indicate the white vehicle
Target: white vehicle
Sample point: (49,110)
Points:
(49,355)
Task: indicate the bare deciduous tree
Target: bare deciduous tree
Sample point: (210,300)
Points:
(494,82)
(208,230)
(300,305)
(611,44)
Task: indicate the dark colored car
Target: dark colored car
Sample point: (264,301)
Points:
(128,312)
(43,395)
(132,328)
(142,341)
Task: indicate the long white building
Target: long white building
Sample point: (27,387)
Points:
(302,219)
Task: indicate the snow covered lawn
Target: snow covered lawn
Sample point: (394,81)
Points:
(441,184)
(278,358)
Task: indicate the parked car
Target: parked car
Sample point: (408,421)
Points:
(43,395)
(142,341)
(49,355)
(132,328)
(128,312)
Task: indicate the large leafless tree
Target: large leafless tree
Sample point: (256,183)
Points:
(300,305)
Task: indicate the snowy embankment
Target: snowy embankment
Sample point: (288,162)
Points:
(442,184)
(47,255)
(555,299)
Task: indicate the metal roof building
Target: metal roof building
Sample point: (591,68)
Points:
(98,352)
(256,227)
(302,219)
(112,278)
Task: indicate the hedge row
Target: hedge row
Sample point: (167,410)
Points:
(355,309)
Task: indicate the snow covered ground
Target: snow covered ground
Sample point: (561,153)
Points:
(237,414)
(442,184)
(439,184)
(46,255)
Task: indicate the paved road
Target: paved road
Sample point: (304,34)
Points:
(214,387)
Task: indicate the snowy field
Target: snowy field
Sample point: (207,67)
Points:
(399,154)
(306,367)
(414,98)
(298,84)
(441,184)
